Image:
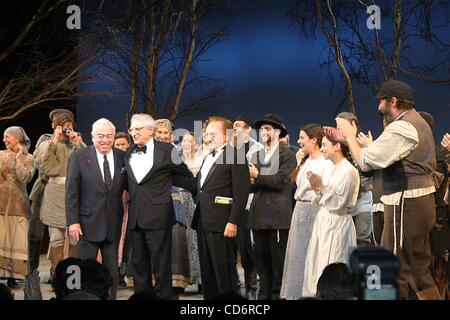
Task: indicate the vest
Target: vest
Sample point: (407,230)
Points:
(416,170)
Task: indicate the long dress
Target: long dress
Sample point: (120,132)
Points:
(15,173)
(191,234)
(333,233)
(302,223)
(180,258)
(185,259)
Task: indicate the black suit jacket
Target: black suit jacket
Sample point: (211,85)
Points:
(227,179)
(151,206)
(272,201)
(89,202)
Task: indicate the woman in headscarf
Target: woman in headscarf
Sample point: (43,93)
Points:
(16,170)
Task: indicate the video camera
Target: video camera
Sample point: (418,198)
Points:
(376,271)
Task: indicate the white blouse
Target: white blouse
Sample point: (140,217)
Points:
(319,166)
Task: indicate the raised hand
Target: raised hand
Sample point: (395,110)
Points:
(446,141)
(364,140)
(335,134)
(58,135)
(346,128)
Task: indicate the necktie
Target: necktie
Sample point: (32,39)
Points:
(138,149)
(106,171)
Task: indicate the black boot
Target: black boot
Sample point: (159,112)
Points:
(34,254)
(122,282)
(177,291)
(12,284)
(251,283)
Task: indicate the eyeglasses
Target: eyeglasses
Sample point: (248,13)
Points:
(136,130)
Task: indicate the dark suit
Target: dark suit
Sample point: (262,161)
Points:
(226,178)
(270,218)
(96,207)
(151,217)
(245,245)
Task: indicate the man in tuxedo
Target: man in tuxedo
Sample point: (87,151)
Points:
(223,184)
(95,182)
(153,167)
(271,210)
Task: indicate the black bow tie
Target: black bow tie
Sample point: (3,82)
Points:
(213,152)
(138,149)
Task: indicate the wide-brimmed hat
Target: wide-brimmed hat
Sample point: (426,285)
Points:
(275,121)
(395,88)
(247,120)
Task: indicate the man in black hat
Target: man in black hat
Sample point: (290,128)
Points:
(271,209)
(405,154)
(242,127)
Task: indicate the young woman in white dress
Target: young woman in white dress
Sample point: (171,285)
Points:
(304,215)
(333,233)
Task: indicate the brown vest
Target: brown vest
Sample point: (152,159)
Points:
(416,170)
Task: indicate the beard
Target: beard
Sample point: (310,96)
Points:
(386,114)
(267,140)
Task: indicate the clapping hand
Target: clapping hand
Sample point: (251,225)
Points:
(253,171)
(346,128)
(335,134)
(315,180)
(364,140)
(446,141)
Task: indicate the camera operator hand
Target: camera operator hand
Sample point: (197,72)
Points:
(73,136)
(58,135)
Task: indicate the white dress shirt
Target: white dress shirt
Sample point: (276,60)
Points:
(141,163)
(208,163)
(269,153)
(110,158)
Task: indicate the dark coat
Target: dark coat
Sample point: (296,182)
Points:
(272,203)
(150,205)
(98,209)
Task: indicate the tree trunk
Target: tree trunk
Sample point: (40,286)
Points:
(334,43)
(398,30)
(133,69)
(186,63)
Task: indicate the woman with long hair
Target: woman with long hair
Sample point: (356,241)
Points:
(333,233)
(304,215)
(193,161)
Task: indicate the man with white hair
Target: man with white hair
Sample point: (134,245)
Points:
(96,179)
(152,169)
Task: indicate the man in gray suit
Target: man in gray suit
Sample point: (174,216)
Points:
(96,179)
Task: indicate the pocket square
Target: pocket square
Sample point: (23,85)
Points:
(223,200)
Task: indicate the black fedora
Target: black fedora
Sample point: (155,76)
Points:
(275,121)
(247,120)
